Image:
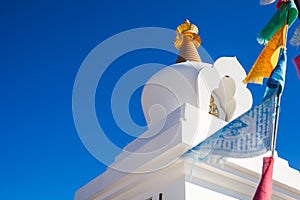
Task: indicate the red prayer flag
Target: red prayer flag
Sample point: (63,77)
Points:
(280,2)
(296,62)
(264,189)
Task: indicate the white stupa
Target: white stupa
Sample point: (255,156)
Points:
(183,104)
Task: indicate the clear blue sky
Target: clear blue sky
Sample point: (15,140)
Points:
(42,47)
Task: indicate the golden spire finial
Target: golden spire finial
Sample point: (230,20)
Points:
(187,29)
(187,41)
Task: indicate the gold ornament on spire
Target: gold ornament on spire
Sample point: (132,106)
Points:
(189,30)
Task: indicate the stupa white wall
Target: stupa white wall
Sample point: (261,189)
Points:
(152,164)
(194,83)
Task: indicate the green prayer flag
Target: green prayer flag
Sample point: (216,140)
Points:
(286,13)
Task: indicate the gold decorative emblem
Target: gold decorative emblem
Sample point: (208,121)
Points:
(213,109)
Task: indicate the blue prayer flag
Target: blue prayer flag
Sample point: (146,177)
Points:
(277,77)
(247,136)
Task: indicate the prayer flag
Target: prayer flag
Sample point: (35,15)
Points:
(277,78)
(281,2)
(247,136)
(297,2)
(266,2)
(287,13)
(295,40)
(264,189)
(268,58)
(296,62)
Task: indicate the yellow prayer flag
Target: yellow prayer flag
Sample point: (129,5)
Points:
(268,58)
